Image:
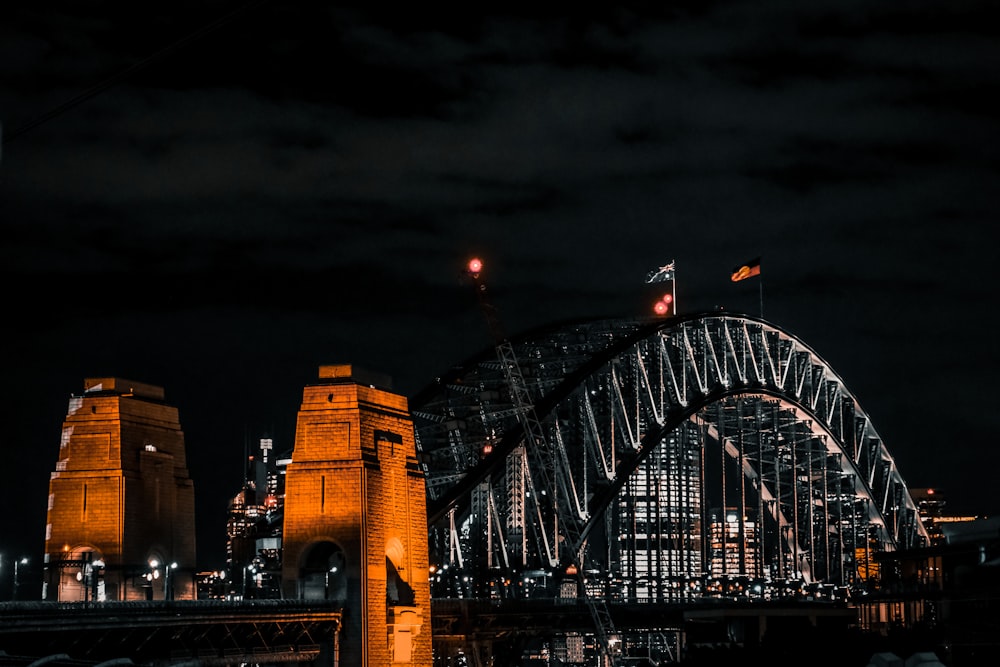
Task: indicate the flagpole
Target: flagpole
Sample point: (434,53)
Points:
(673,287)
(760,285)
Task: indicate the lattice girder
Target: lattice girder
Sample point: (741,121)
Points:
(810,467)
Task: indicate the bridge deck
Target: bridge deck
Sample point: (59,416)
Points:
(157,632)
(306,632)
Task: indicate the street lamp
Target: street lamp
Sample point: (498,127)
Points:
(95,574)
(152,574)
(326,578)
(249,567)
(87,576)
(168,581)
(23,561)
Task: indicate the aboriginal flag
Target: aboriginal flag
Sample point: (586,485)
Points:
(746,270)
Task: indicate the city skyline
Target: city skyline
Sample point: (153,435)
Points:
(220,201)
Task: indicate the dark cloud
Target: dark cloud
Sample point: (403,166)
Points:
(219,197)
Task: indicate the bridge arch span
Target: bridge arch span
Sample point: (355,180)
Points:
(678,454)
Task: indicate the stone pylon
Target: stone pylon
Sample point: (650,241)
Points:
(121,503)
(355,523)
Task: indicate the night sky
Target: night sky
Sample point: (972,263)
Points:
(218,198)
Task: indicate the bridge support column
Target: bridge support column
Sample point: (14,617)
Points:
(355,525)
(121,502)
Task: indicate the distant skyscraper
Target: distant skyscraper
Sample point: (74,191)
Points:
(931,507)
(733,544)
(253,529)
(659,511)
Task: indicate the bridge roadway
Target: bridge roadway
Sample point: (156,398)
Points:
(216,633)
(504,629)
(181,632)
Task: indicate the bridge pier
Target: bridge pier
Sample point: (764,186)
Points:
(121,502)
(355,524)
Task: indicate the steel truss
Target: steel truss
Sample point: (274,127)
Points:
(204,632)
(707,455)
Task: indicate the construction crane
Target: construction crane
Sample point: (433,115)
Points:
(545,457)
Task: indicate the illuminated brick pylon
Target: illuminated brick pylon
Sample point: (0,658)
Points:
(121,503)
(355,523)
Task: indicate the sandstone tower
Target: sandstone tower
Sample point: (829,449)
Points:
(121,503)
(355,524)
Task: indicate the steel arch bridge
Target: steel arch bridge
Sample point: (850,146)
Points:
(705,455)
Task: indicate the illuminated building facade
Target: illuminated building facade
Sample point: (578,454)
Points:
(932,503)
(659,512)
(732,545)
(355,518)
(121,515)
(931,506)
(254,531)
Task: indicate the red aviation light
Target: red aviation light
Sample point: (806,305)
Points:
(475,265)
(663,306)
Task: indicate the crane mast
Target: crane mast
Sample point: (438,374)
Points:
(543,457)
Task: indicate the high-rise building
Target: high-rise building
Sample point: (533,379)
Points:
(254,530)
(659,514)
(932,505)
(732,546)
